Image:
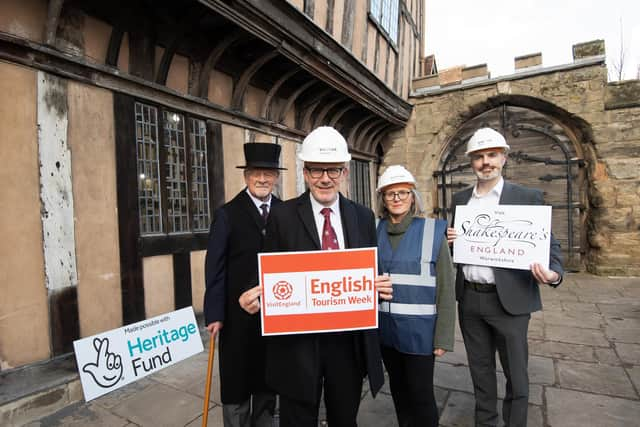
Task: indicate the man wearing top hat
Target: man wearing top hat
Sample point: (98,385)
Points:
(232,290)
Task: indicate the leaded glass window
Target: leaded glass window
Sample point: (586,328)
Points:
(147,153)
(173,173)
(385,13)
(199,176)
(176,173)
(360,182)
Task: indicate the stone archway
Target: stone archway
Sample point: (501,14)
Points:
(543,155)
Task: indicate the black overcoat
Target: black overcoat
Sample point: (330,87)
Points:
(292,360)
(231,268)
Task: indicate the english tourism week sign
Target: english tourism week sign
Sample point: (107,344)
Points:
(318,291)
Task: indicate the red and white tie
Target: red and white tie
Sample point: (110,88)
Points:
(329,238)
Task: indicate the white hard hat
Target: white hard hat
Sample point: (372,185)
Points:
(395,174)
(486,138)
(324,145)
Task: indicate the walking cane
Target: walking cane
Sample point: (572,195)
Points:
(207,387)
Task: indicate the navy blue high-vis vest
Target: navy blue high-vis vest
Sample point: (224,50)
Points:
(407,322)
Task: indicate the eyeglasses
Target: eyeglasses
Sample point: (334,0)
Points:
(391,195)
(333,173)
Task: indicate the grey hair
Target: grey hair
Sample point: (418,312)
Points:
(416,209)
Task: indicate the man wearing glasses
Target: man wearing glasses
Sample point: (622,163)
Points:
(231,297)
(300,366)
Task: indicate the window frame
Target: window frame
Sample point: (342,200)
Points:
(377,17)
(166,241)
(360,182)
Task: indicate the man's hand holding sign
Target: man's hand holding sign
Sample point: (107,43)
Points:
(506,236)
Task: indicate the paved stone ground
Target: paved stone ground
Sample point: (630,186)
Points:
(584,370)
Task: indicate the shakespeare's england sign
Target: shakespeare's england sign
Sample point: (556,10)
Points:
(507,236)
(319,291)
(112,359)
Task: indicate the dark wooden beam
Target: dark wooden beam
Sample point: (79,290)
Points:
(355,129)
(348,17)
(266,105)
(319,119)
(341,112)
(292,98)
(113,51)
(375,136)
(212,59)
(17,50)
(330,12)
(240,88)
(131,280)
(53,17)
(308,108)
(302,42)
(362,137)
(188,20)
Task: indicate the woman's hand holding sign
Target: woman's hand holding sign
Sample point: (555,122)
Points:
(384,287)
(250,300)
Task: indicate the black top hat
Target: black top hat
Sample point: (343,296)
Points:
(261,155)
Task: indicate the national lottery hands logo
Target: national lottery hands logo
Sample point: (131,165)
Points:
(107,370)
(282,290)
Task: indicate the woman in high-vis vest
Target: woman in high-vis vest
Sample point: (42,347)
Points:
(418,323)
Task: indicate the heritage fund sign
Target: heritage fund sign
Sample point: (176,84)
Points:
(507,236)
(115,358)
(318,291)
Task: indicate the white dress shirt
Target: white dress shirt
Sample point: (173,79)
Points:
(336,222)
(259,202)
(481,273)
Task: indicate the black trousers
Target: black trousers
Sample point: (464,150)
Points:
(487,327)
(341,376)
(411,382)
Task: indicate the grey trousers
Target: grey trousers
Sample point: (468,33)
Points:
(486,327)
(257,411)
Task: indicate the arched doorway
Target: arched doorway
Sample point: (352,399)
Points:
(542,156)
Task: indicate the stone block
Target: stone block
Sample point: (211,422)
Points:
(527,61)
(560,350)
(574,319)
(591,337)
(150,407)
(568,408)
(629,353)
(450,76)
(607,356)
(588,49)
(84,415)
(379,411)
(595,378)
(622,94)
(426,82)
(623,168)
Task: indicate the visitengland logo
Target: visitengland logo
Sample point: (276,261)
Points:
(282,290)
(107,369)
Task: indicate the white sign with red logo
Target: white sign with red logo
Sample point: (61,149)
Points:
(318,291)
(507,236)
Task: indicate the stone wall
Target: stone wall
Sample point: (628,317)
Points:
(602,119)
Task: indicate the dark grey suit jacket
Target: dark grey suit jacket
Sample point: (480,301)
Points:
(293,360)
(517,289)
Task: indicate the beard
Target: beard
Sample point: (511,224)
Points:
(488,176)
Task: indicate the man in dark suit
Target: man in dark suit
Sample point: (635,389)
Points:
(495,304)
(300,366)
(232,290)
